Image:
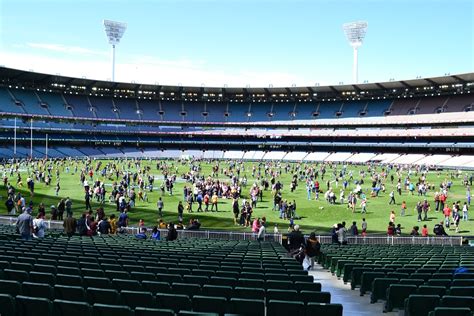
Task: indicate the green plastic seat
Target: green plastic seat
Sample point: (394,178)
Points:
(7,305)
(69,293)
(71,280)
(71,308)
(32,306)
(10,287)
(175,302)
(278,294)
(249,293)
(102,296)
(211,304)
(431,290)
(379,288)
(156,287)
(457,301)
(396,295)
(307,286)
(143,311)
(461,290)
(186,289)
(37,290)
(367,279)
(137,299)
(420,305)
(127,285)
(324,309)
(43,277)
(115,310)
(16,275)
(314,297)
(285,308)
(217,290)
(143,276)
(251,307)
(450,311)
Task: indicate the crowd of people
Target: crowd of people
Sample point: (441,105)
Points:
(128,183)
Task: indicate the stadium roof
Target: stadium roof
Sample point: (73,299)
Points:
(444,84)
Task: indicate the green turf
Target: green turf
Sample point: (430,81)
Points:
(316,216)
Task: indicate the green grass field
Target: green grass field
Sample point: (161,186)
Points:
(316,216)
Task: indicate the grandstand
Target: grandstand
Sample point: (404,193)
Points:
(414,119)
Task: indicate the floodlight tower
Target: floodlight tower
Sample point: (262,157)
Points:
(355,33)
(114,31)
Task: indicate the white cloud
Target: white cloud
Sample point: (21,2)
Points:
(145,69)
(64,49)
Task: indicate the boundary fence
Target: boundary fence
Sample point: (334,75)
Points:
(231,235)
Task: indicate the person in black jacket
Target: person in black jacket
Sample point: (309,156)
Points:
(172,233)
(296,239)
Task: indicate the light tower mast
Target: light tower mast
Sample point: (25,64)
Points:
(355,33)
(114,31)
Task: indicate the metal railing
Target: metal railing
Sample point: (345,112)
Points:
(206,234)
(398,240)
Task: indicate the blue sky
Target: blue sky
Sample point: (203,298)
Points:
(239,42)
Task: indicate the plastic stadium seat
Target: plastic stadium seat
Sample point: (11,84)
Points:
(308,286)
(30,306)
(128,285)
(43,277)
(212,304)
(186,289)
(69,270)
(416,282)
(252,283)
(7,305)
(115,310)
(103,283)
(440,282)
(45,268)
(71,280)
(458,301)
(10,287)
(301,278)
(461,290)
(195,279)
(367,279)
(324,309)
(21,266)
(187,313)
(450,311)
(102,296)
(278,294)
(143,311)
(396,295)
(71,308)
(463,282)
(420,305)
(431,290)
(379,288)
(356,276)
(276,284)
(156,287)
(43,290)
(16,275)
(217,290)
(285,308)
(247,307)
(92,273)
(176,302)
(314,297)
(143,276)
(249,293)
(222,281)
(137,298)
(69,293)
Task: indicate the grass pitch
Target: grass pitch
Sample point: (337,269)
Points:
(315,215)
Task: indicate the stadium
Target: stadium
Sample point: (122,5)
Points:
(123,198)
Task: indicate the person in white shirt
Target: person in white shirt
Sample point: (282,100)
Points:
(39,226)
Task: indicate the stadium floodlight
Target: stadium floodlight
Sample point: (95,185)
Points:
(355,33)
(114,31)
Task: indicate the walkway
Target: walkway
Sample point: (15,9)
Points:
(353,303)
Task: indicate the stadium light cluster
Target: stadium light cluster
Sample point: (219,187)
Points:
(355,33)
(114,31)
